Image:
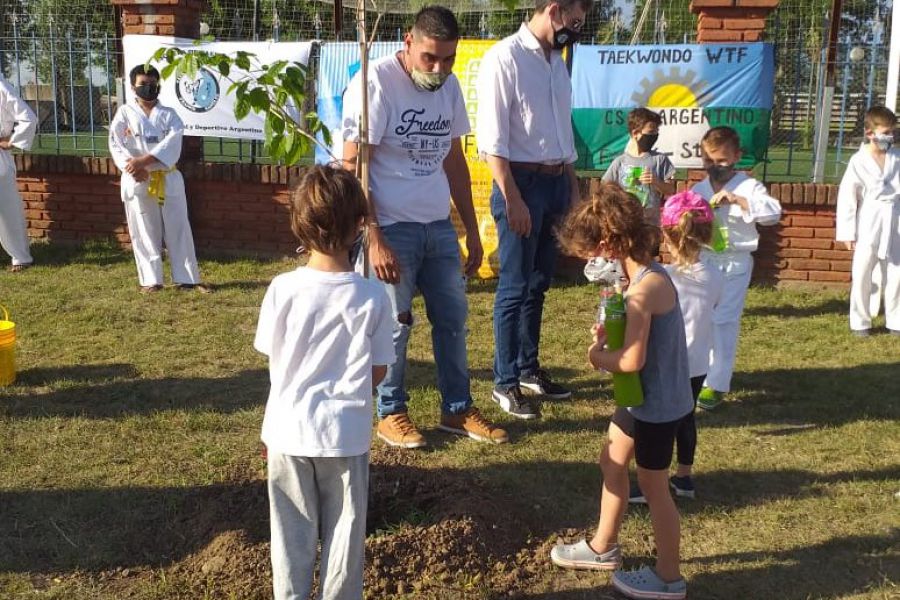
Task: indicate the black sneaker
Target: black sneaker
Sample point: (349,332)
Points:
(513,402)
(636,496)
(540,383)
(682,486)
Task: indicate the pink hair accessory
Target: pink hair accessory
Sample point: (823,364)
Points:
(682,202)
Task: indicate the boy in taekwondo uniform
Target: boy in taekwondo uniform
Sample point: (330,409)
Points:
(17,127)
(145,143)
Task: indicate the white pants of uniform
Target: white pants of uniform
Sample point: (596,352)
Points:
(862,305)
(149,224)
(313,499)
(727,321)
(13,231)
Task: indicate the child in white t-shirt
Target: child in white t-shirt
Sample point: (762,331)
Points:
(740,204)
(328,334)
(687,228)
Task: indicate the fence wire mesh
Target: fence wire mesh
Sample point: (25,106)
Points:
(64,56)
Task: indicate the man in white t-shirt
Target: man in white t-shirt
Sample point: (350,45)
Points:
(524,131)
(417,116)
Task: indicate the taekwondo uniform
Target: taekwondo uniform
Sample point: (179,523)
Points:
(156,210)
(868,213)
(736,264)
(18,123)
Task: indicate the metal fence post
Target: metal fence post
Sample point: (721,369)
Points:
(90,69)
(53,86)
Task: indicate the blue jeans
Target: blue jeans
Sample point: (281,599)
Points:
(429,259)
(526,270)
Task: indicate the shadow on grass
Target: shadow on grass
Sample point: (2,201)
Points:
(98,529)
(510,505)
(829,306)
(245,285)
(97,252)
(810,398)
(832,569)
(855,564)
(109,391)
(739,489)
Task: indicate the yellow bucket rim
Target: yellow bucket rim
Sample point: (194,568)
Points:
(5,323)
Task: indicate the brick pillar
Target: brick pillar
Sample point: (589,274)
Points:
(179,18)
(732,20)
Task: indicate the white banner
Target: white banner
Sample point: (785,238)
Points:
(202,102)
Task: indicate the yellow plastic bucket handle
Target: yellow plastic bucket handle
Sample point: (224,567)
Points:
(5,313)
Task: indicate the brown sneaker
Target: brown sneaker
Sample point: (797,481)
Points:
(475,426)
(398,430)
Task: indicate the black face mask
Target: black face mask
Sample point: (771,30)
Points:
(565,36)
(720,173)
(647,141)
(147,91)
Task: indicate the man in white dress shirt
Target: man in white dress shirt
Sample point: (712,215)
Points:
(145,143)
(524,131)
(17,127)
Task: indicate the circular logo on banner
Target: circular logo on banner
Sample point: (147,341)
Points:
(200,93)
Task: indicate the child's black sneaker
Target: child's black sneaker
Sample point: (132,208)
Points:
(636,496)
(682,486)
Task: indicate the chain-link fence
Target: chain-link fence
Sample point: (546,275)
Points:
(799,29)
(65,58)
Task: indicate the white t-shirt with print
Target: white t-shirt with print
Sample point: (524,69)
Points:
(412,131)
(322,333)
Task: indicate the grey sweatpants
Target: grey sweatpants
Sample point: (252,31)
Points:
(312,499)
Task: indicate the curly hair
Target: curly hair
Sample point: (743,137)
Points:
(610,215)
(686,239)
(327,208)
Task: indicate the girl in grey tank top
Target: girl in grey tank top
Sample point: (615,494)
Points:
(665,377)
(611,224)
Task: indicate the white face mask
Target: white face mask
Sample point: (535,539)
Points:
(883,141)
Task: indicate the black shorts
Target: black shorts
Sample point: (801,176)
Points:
(653,442)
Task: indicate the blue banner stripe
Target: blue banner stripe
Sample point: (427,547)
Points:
(678,75)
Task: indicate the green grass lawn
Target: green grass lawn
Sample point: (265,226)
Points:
(130,450)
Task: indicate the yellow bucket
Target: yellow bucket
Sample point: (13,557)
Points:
(7,349)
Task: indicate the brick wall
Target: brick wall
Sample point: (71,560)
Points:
(244,209)
(723,21)
(232,208)
(161,17)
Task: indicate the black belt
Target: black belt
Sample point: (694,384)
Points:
(540,168)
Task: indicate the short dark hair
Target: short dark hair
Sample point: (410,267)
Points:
(717,137)
(541,5)
(327,206)
(436,22)
(879,116)
(639,117)
(149,71)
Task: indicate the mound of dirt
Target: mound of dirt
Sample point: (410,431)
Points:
(438,532)
(433,534)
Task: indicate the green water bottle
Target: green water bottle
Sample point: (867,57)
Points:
(627,389)
(636,187)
